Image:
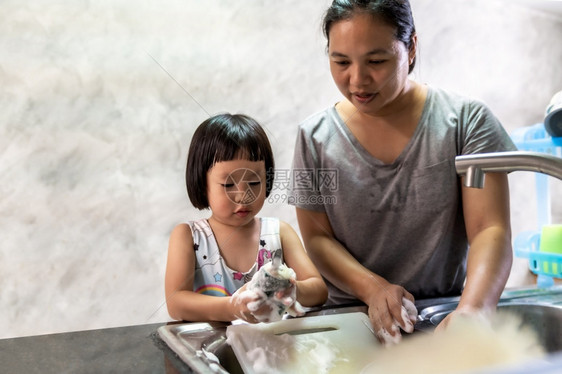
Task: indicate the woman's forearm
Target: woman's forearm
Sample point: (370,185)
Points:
(490,256)
(488,267)
(341,268)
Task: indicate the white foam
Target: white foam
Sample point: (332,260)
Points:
(467,344)
(286,353)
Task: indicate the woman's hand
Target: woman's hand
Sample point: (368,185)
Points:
(385,301)
(390,308)
(464,312)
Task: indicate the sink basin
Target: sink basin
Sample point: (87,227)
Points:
(203,345)
(204,348)
(545,320)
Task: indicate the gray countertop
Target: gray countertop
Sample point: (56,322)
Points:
(131,349)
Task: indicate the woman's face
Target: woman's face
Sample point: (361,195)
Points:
(368,64)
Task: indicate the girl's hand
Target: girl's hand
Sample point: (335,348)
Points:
(288,296)
(387,311)
(239,304)
(247,304)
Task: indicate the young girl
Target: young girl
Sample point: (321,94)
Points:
(230,171)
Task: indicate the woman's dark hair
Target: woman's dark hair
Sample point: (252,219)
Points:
(225,137)
(396,13)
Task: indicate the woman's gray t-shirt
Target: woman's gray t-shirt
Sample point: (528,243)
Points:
(403,221)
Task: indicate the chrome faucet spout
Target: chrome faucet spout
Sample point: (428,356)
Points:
(473,167)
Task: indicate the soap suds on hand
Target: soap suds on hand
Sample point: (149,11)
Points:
(409,315)
(270,279)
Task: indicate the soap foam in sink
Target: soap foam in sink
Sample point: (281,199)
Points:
(268,353)
(322,354)
(277,354)
(335,344)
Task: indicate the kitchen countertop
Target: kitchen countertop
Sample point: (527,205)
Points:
(130,349)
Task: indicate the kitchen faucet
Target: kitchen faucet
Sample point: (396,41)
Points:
(474,166)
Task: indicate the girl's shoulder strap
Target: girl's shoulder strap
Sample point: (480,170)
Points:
(269,225)
(200,229)
(270,240)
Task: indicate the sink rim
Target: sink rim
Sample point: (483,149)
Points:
(428,312)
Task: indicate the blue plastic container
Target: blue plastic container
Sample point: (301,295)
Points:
(527,244)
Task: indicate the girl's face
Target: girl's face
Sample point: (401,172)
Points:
(236,190)
(368,64)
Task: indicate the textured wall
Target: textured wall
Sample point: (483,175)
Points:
(99,101)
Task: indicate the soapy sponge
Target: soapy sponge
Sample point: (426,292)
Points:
(274,285)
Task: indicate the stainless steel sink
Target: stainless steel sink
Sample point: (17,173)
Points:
(544,319)
(203,345)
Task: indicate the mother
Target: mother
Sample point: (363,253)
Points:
(380,207)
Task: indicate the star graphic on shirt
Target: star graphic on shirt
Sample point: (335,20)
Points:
(218,277)
(196,247)
(262,242)
(238,275)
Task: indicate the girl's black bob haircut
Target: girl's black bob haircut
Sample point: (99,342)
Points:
(225,137)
